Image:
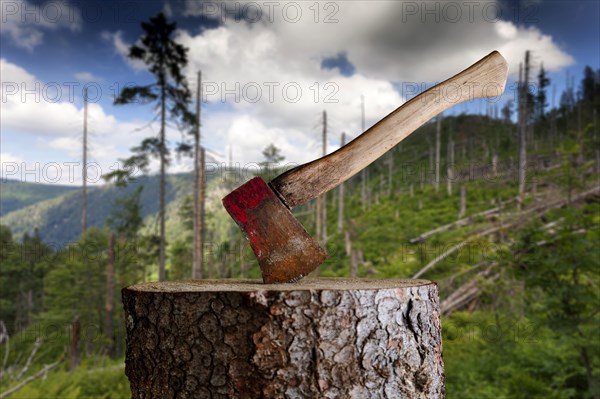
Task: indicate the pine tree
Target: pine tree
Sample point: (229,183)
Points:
(541,98)
(169,93)
(272,155)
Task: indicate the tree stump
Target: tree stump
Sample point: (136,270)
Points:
(322,338)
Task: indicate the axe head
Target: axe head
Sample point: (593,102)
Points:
(285,251)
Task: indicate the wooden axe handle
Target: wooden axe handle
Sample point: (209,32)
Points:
(485,78)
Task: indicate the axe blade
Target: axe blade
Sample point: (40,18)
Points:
(285,251)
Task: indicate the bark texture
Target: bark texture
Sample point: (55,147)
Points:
(321,338)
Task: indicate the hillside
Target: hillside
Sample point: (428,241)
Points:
(55,211)
(15,195)
(518,284)
(58,217)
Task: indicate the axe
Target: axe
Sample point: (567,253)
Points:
(285,251)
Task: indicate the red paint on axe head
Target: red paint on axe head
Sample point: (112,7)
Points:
(285,251)
(247,197)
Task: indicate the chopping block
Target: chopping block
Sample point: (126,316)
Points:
(321,338)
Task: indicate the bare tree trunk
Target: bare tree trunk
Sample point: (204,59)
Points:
(198,255)
(29,306)
(243,264)
(110,293)
(438,132)
(84,168)
(368,190)
(328,338)
(162,257)
(523,111)
(74,343)
(340,224)
(463,201)
(450,168)
(347,243)
(353,263)
(319,220)
(390,173)
(323,237)
(363,173)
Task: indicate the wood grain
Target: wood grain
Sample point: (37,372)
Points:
(486,78)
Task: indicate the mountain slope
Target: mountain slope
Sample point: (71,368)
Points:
(58,219)
(16,195)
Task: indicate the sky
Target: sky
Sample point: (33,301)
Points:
(269,70)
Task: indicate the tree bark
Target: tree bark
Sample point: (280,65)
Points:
(326,338)
(463,202)
(323,197)
(84,168)
(340,224)
(74,343)
(198,253)
(437,151)
(162,254)
(109,299)
(523,116)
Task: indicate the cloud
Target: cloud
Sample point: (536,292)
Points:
(9,164)
(122,48)
(385,42)
(276,99)
(392,40)
(263,73)
(25,23)
(86,77)
(56,127)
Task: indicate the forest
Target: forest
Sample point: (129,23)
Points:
(500,208)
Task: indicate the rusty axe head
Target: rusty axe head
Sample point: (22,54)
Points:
(285,251)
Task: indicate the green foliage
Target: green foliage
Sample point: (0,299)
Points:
(540,340)
(105,382)
(126,218)
(532,333)
(24,267)
(272,155)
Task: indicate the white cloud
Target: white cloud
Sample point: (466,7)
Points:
(122,48)
(391,40)
(386,41)
(9,164)
(25,23)
(56,128)
(86,77)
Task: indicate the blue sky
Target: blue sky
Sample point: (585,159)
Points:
(301,57)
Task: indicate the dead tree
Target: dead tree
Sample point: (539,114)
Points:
(110,295)
(328,338)
(450,166)
(323,197)
(74,343)
(523,115)
(84,198)
(340,224)
(438,131)
(463,201)
(390,173)
(198,212)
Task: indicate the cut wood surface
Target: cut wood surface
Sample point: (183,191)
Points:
(321,338)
